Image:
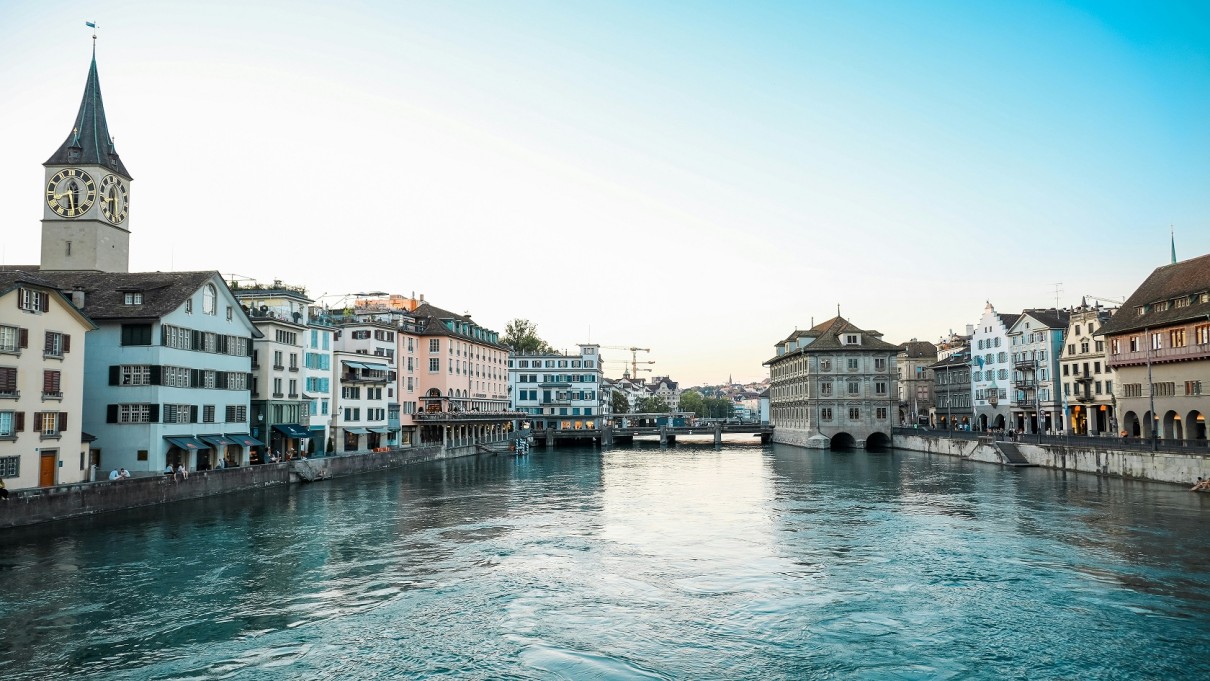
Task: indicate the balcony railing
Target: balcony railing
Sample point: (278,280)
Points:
(52,395)
(1027,403)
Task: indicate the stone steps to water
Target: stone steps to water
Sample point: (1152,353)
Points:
(1012,456)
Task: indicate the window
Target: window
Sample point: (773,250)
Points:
(209,299)
(825,389)
(136,334)
(850,339)
(880,364)
(8,424)
(1157,340)
(854,414)
(32,301)
(1164,389)
(176,377)
(825,364)
(881,413)
(1132,390)
(854,387)
(825,414)
(176,413)
(139,374)
(134,413)
(880,388)
(1202,334)
(208,413)
(1176,338)
(50,384)
(434,345)
(1193,387)
(434,365)
(10,466)
(1134,344)
(11,338)
(132,298)
(8,382)
(236,413)
(1115,346)
(852,364)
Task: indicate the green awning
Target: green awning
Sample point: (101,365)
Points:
(216,440)
(357,431)
(245,440)
(375,367)
(379,430)
(355,365)
(292,430)
(186,442)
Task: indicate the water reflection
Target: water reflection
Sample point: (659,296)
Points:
(643,562)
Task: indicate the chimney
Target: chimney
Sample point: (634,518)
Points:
(970,329)
(77,298)
(422,297)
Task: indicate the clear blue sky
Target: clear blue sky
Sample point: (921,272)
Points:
(696,178)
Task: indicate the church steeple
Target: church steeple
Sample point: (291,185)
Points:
(89,142)
(85,225)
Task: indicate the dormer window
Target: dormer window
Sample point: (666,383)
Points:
(209,299)
(132,298)
(1140,310)
(852,339)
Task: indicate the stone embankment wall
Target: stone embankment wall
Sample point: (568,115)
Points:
(1176,467)
(28,507)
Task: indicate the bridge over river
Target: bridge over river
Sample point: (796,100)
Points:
(610,435)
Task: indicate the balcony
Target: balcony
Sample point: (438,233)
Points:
(52,395)
(1026,383)
(294,367)
(1026,403)
(279,367)
(1084,379)
(1085,399)
(1027,363)
(10,394)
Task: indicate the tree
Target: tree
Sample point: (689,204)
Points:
(618,402)
(691,400)
(522,336)
(719,407)
(652,404)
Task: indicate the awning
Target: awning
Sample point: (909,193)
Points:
(216,440)
(245,440)
(187,442)
(292,430)
(354,365)
(375,367)
(380,430)
(357,431)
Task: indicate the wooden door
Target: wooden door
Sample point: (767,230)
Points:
(46,471)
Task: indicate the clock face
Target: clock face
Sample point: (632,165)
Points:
(114,199)
(71,192)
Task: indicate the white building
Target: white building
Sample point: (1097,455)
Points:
(561,391)
(1036,339)
(990,369)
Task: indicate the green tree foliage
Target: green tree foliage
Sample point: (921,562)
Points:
(652,404)
(691,400)
(522,336)
(718,407)
(618,402)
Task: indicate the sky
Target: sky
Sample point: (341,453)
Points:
(696,178)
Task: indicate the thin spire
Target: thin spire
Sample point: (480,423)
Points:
(89,142)
(1172,233)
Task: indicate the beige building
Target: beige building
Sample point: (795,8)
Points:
(1159,350)
(833,386)
(41,384)
(1089,405)
(914,364)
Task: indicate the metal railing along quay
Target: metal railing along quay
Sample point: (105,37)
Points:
(1086,441)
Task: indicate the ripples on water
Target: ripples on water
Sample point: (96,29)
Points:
(750,562)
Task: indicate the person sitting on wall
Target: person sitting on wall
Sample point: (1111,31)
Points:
(168,469)
(123,474)
(113,475)
(3,491)
(1201,486)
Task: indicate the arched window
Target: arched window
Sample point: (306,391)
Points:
(209,299)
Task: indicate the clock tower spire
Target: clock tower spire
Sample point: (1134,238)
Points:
(84,223)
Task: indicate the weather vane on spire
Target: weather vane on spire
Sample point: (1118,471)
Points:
(93,26)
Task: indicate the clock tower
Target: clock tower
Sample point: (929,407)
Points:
(87,199)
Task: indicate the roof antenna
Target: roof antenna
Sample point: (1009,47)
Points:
(837,309)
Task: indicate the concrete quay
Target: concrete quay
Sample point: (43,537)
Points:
(47,504)
(1099,457)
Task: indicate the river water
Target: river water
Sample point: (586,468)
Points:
(687,563)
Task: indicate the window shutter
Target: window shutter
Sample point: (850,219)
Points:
(24,338)
(115,377)
(193,413)
(48,381)
(66,342)
(195,377)
(49,343)
(250,379)
(111,413)
(163,335)
(18,421)
(45,300)
(155,413)
(157,374)
(220,380)
(62,421)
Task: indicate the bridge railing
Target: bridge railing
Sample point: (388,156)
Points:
(1084,441)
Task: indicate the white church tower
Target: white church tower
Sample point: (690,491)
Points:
(84,223)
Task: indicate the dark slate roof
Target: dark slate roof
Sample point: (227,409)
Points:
(1008,319)
(104,292)
(827,339)
(1185,279)
(919,349)
(10,279)
(1052,318)
(955,360)
(431,316)
(89,142)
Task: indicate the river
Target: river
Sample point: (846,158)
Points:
(747,562)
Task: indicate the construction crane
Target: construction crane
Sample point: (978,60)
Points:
(634,357)
(1114,301)
(632,366)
